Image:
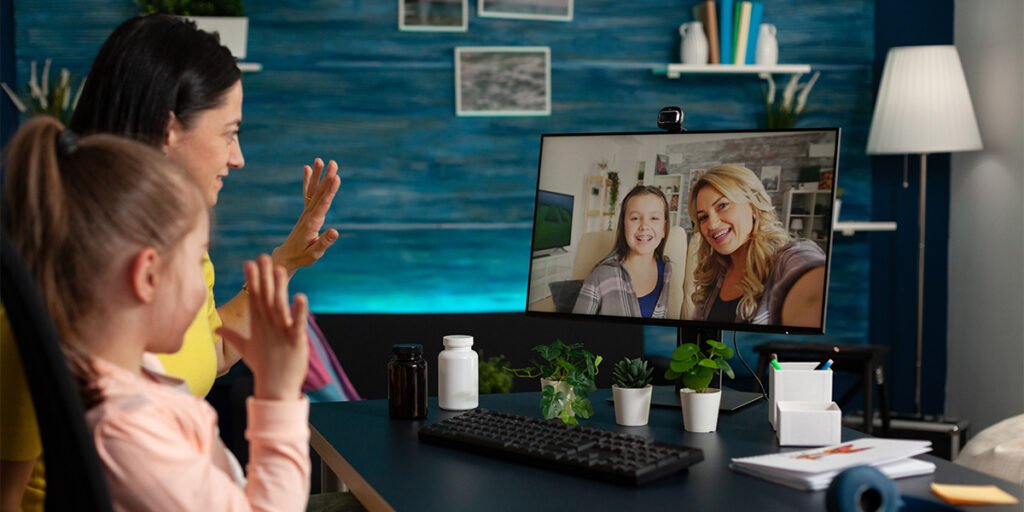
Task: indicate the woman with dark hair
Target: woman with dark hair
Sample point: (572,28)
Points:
(632,280)
(160,80)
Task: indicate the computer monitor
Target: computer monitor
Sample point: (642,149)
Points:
(699,230)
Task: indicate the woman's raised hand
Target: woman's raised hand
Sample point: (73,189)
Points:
(277,351)
(305,244)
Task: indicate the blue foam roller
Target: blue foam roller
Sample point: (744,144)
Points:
(862,489)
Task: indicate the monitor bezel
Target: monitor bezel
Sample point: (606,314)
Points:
(693,324)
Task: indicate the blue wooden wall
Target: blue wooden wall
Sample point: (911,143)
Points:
(435,209)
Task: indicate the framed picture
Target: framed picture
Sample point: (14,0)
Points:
(770,177)
(825,178)
(549,10)
(661,165)
(503,81)
(433,15)
(674,203)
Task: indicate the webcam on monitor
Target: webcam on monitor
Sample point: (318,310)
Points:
(670,119)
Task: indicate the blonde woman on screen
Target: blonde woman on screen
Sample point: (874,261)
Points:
(749,269)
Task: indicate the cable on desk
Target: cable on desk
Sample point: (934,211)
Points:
(736,348)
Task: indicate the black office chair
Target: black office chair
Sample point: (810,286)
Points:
(74,474)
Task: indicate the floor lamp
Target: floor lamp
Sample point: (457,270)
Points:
(923,107)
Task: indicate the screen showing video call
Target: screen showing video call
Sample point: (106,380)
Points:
(729,230)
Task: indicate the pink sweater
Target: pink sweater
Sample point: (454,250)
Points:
(161,451)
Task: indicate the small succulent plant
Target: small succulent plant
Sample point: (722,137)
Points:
(632,373)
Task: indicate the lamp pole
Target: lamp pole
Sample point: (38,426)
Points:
(920,284)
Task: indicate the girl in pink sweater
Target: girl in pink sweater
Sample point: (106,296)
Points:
(115,235)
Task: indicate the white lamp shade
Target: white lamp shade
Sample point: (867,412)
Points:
(923,105)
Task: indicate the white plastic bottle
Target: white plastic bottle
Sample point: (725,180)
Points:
(458,374)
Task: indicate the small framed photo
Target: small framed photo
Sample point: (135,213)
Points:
(661,165)
(770,177)
(433,15)
(549,10)
(825,178)
(503,81)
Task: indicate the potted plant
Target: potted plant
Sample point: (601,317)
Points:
(567,375)
(223,17)
(48,95)
(632,392)
(493,378)
(696,369)
(784,113)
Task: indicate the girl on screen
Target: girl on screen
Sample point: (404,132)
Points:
(748,268)
(115,237)
(631,281)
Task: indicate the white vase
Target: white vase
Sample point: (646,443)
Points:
(632,405)
(767,52)
(700,410)
(233,31)
(693,44)
(562,386)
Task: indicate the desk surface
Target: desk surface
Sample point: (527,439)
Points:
(386,467)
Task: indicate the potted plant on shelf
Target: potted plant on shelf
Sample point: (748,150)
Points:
(632,392)
(696,369)
(223,17)
(567,375)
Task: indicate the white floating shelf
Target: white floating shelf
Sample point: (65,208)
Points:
(849,228)
(674,70)
(250,67)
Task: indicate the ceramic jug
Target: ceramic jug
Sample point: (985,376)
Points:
(767,52)
(693,46)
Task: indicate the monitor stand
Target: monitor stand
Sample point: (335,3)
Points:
(732,400)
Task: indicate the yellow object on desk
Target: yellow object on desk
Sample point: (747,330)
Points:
(973,494)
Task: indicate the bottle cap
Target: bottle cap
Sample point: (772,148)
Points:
(408,350)
(458,341)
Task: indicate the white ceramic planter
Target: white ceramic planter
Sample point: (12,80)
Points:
(632,405)
(233,31)
(700,410)
(564,387)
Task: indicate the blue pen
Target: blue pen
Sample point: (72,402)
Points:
(827,365)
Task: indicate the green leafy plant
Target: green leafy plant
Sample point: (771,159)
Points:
(192,7)
(46,94)
(568,363)
(696,368)
(632,373)
(493,378)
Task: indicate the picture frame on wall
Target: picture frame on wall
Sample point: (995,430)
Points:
(503,81)
(771,175)
(433,15)
(545,10)
(661,165)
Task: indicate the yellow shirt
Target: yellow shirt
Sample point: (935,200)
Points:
(195,363)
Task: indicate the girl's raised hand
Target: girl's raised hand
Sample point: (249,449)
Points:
(305,244)
(278,349)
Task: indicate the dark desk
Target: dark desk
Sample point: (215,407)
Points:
(387,468)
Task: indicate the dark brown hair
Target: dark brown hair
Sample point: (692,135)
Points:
(621,247)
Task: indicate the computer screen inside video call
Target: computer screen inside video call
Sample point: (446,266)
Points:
(726,229)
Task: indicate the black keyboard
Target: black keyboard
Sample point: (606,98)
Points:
(590,452)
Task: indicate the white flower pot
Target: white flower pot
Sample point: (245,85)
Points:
(564,387)
(700,410)
(632,405)
(233,31)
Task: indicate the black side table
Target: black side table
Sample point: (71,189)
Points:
(868,360)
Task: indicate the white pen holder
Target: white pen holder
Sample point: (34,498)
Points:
(809,423)
(798,382)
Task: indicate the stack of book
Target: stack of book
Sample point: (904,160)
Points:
(732,28)
(813,470)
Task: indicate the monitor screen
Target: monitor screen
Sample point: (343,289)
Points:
(727,230)
(552,220)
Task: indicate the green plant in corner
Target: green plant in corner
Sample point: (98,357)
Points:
(696,368)
(568,363)
(493,379)
(192,7)
(632,373)
(46,94)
